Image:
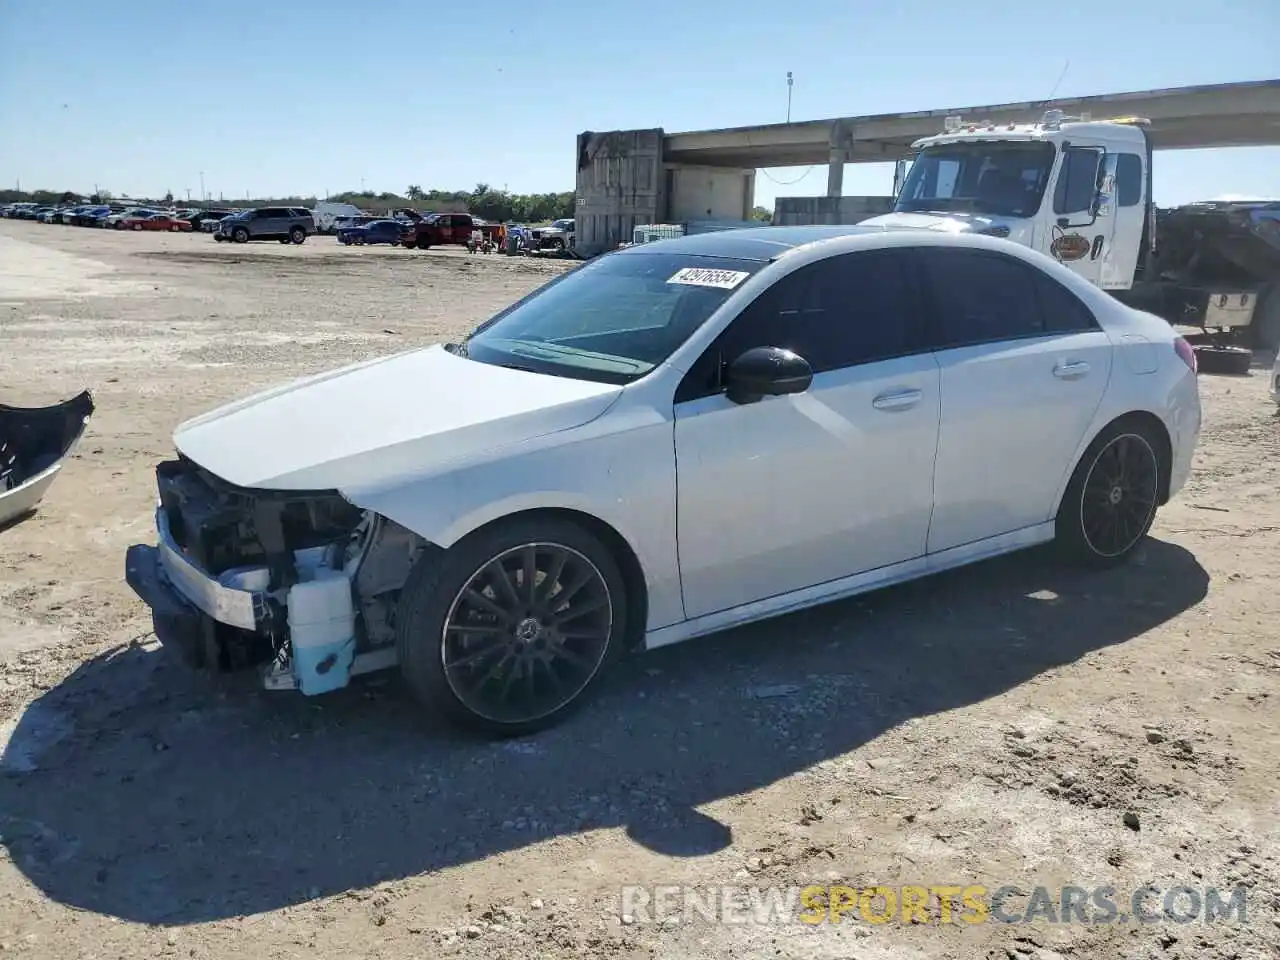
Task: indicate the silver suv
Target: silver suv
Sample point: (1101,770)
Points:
(286,224)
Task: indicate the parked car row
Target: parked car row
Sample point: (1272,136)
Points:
(402,227)
(117,216)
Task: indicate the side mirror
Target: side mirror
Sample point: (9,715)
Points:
(767,372)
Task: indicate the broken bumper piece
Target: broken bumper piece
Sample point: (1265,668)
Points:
(229,621)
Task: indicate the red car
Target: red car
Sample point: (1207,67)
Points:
(156,221)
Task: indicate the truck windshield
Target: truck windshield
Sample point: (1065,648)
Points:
(612,320)
(1007,178)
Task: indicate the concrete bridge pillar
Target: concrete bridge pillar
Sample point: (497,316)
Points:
(841,142)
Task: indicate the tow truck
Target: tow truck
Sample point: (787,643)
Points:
(1079,190)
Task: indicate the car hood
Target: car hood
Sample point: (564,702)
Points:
(372,423)
(1020,231)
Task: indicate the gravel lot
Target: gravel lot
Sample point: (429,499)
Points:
(998,725)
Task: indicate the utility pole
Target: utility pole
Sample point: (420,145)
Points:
(203,195)
(789,82)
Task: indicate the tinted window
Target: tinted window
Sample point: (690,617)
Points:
(847,310)
(979,297)
(835,313)
(1128,179)
(1060,309)
(1077,180)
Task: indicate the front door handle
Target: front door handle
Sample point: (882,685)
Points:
(897,400)
(1070,369)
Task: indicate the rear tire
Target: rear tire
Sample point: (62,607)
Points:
(1111,499)
(297,235)
(467,609)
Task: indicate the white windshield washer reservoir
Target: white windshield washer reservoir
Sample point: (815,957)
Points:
(322,624)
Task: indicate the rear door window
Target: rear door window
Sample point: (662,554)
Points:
(979,297)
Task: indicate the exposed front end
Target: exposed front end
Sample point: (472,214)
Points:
(260,579)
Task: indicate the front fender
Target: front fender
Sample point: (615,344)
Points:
(619,469)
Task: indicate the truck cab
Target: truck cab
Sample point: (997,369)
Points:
(1077,190)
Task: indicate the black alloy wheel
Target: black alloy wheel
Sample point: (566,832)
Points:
(527,633)
(1111,501)
(507,635)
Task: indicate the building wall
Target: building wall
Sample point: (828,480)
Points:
(620,183)
(709,193)
(793,211)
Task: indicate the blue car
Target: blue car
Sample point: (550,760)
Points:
(377,231)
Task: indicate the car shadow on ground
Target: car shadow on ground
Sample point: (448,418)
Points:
(154,794)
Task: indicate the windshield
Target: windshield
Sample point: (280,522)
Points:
(1003,177)
(612,320)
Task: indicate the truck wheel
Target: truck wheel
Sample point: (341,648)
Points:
(1266,323)
(1232,361)
(423,244)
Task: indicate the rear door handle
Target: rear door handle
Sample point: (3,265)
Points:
(1070,369)
(897,400)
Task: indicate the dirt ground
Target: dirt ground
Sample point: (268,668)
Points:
(1010,724)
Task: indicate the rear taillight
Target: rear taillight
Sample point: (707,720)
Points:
(1186,352)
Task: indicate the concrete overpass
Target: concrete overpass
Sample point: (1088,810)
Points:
(632,177)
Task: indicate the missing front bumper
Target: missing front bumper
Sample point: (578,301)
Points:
(221,623)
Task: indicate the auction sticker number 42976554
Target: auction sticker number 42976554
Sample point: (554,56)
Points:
(702,277)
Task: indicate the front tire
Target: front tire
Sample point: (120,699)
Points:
(1110,502)
(240,235)
(509,630)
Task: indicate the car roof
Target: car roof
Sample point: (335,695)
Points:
(747,243)
(766,243)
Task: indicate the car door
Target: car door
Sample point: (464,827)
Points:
(1024,366)
(265,222)
(1084,220)
(793,491)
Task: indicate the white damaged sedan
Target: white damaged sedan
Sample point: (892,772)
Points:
(670,440)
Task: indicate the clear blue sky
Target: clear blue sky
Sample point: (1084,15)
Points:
(303,96)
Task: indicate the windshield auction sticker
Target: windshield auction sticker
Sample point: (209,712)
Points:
(701,277)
